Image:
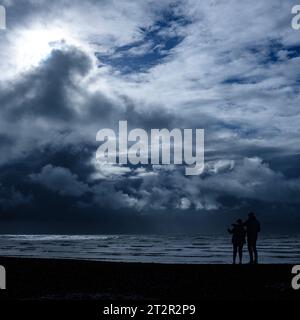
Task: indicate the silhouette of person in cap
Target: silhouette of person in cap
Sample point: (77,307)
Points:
(238,239)
(253,228)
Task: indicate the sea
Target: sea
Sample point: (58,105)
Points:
(188,249)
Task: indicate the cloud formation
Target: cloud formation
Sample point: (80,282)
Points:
(228,67)
(60,180)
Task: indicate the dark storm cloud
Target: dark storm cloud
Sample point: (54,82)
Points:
(11,198)
(59,153)
(5,140)
(60,180)
(42,92)
(59,175)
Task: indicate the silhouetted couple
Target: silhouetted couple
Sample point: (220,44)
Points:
(239,230)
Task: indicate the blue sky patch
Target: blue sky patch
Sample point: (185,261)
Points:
(157,44)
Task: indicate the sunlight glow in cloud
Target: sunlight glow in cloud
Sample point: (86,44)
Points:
(32,46)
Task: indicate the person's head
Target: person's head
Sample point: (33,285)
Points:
(239,221)
(251,215)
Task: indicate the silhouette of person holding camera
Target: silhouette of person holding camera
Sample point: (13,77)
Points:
(238,239)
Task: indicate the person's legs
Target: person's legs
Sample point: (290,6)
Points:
(234,253)
(255,251)
(241,254)
(250,249)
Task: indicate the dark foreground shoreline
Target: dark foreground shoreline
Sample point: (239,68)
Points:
(50,279)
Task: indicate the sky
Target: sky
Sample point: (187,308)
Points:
(71,68)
